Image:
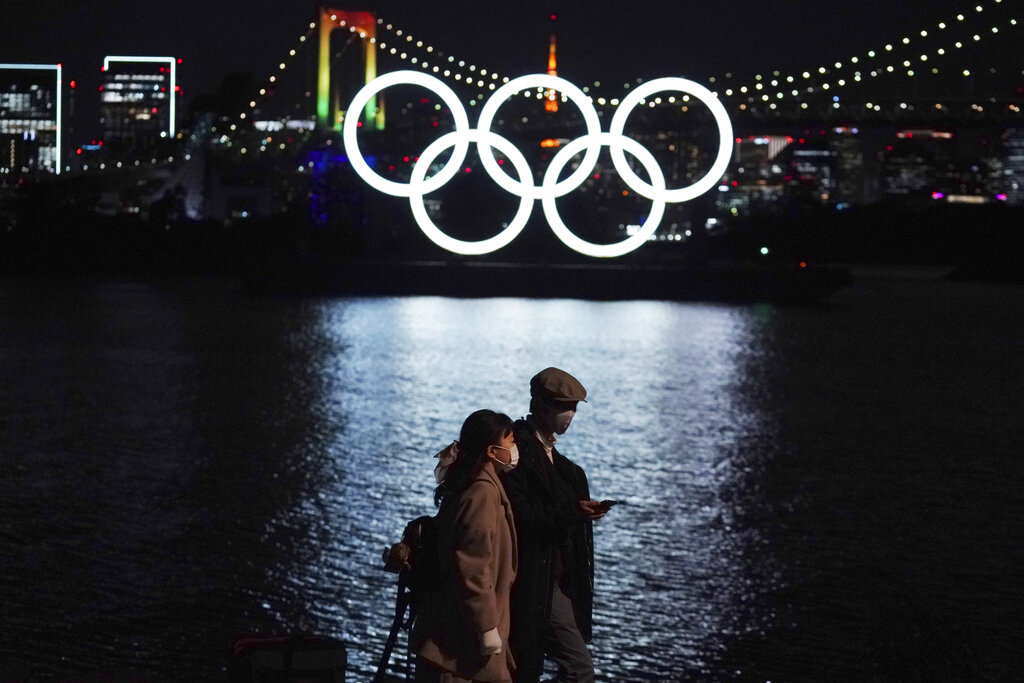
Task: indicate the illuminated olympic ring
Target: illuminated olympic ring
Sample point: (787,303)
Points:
(550,188)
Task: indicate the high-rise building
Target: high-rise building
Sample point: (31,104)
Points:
(30,118)
(1011,182)
(137,103)
(848,164)
(754,182)
(918,163)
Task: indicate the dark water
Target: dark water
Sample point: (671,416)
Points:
(828,493)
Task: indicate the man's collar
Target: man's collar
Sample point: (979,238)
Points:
(547,439)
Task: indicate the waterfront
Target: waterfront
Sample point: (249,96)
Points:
(813,493)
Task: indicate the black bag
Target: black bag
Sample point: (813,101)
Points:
(294,658)
(416,561)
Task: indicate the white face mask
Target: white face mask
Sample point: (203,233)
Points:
(560,421)
(513,458)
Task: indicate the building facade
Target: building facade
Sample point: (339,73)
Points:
(30,118)
(137,104)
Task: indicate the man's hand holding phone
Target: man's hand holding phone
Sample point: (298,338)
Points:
(596,509)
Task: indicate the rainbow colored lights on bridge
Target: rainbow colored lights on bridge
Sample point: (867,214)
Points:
(363,24)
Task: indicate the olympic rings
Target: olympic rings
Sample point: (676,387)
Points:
(549,82)
(555,220)
(447,95)
(551,188)
(682,194)
(417,185)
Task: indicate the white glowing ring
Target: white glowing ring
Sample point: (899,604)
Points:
(547,82)
(418,188)
(717,170)
(617,143)
(350,128)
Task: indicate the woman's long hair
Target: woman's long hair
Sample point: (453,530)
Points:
(481,429)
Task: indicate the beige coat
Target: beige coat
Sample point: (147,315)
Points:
(477,543)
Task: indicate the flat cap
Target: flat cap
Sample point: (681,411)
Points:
(557,385)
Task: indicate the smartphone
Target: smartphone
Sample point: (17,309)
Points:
(608,503)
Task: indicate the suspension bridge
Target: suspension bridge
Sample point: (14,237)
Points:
(938,75)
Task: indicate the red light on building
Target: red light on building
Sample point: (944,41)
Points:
(803,264)
(78,151)
(72,84)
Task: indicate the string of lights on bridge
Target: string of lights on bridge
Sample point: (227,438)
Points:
(897,58)
(903,59)
(823,80)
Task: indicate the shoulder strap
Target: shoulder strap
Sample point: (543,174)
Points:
(401,603)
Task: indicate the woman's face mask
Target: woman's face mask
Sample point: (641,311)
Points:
(513,458)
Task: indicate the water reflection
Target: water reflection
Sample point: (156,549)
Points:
(163,451)
(657,433)
(871,507)
(183,464)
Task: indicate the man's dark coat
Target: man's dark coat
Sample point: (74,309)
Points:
(549,524)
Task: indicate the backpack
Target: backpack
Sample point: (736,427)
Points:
(416,561)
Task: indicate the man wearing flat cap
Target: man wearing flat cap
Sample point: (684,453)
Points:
(552,598)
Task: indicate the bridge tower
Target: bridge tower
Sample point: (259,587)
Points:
(362,23)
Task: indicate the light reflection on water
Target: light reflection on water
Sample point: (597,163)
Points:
(183,464)
(655,433)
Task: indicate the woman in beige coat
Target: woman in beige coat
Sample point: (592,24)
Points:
(461,629)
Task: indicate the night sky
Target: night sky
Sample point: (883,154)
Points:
(598,39)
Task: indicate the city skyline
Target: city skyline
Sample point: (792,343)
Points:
(599,42)
(834,95)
